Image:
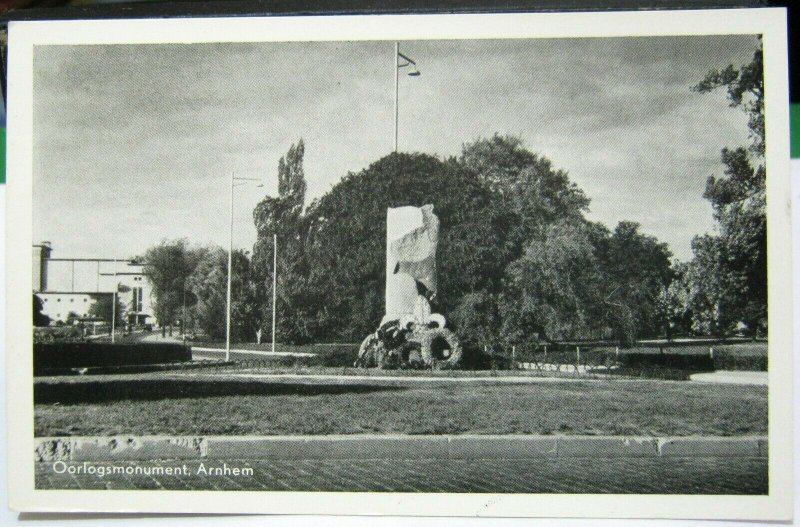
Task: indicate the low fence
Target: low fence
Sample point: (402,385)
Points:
(660,360)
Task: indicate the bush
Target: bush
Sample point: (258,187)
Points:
(729,361)
(672,361)
(55,356)
(58,334)
(337,357)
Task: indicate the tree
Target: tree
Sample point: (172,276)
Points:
(168,266)
(524,182)
(208,283)
(516,260)
(39,318)
(745,88)
(630,271)
(346,233)
(282,216)
(676,301)
(739,252)
(72,318)
(637,272)
(103,308)
(554,290)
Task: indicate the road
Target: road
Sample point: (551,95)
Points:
(208,353)
(564,475)
(199,353)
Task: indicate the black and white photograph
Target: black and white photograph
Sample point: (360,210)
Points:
(453,264)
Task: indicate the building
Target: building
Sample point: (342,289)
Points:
(72,285)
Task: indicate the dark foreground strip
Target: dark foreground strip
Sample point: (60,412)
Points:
(653,475)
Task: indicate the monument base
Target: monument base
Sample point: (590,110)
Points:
(410,345)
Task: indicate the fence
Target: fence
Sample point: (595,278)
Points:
(659,359)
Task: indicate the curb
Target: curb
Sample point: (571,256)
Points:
(394,447)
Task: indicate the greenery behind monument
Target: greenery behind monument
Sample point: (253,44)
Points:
(518,263)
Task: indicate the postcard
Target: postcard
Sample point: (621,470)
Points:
(531,265)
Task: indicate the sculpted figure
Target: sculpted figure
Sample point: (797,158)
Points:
(410,335)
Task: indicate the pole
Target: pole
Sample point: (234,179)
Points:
(183,323)
(274,284)
(114,304)
(396,91)
(230,271)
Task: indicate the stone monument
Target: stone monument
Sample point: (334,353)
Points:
(409,334)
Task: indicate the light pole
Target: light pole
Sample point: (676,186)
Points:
(183,322)
(114,304)
(244,180)
(274,284)
(414,73)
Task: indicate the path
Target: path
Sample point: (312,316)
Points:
(757,378)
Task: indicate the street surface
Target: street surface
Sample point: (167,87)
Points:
(563,475)
(202,353)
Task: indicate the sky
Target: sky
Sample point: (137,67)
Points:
(136,143)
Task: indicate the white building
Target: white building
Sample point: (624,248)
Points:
(72,285)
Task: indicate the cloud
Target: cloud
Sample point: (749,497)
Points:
(134,143)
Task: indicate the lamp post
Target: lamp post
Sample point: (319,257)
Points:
(183,322)
(274,284)
(243,181)
(114,304)
(414,73)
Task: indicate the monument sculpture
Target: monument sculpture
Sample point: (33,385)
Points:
(410,335)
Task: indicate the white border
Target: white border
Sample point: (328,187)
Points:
(24,35)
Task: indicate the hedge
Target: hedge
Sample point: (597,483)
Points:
(67,355)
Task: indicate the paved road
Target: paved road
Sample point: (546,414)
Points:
(202,352)
(199,352)
(569,475)
(755,378)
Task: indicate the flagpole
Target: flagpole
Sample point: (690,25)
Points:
(396,91)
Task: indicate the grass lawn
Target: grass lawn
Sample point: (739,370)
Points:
(187,403)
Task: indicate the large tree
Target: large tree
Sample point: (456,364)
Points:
(281,218)
(637,272)
(39,318)
(209,285)
(168,266)
(554,290)
(525,183)
(738,197)
(492,202)
(103,308)
(516,258)
(346,233)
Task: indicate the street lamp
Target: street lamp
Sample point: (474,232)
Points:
(118,288)
(242,181)
(114,304)
(413,73)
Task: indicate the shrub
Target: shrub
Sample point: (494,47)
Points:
(666,360)
(730,361)
(55,356)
